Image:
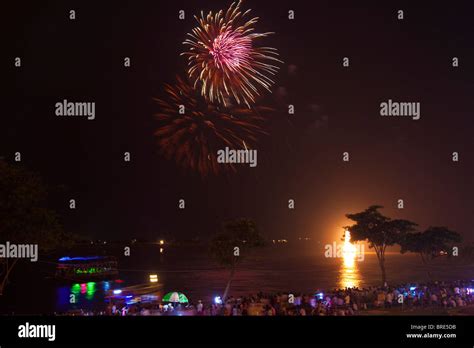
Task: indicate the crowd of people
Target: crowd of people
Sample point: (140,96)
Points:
(338,302)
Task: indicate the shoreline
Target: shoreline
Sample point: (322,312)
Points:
(437,298)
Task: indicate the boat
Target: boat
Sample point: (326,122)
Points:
(86,267)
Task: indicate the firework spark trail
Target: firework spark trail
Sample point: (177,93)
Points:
(194,137)
(224,62)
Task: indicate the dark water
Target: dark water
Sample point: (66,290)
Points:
(297,268)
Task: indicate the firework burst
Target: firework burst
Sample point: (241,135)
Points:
(193,137)
(224,62)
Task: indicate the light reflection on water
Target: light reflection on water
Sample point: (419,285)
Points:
(81,295)
(349,276)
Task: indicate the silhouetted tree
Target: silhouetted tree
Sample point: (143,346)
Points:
(430,244)
(230,246)
(24,215)
(379,231)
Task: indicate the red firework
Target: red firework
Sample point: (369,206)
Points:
(192,130)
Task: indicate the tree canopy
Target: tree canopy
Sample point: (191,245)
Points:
(24,214)
(379,231)
(431,243)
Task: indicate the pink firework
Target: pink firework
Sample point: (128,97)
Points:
(230,50)
(224,62)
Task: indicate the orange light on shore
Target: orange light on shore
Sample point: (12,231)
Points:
(348,250)
(349,272)
(153,278)
(162,242)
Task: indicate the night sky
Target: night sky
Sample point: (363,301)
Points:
(337,110)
